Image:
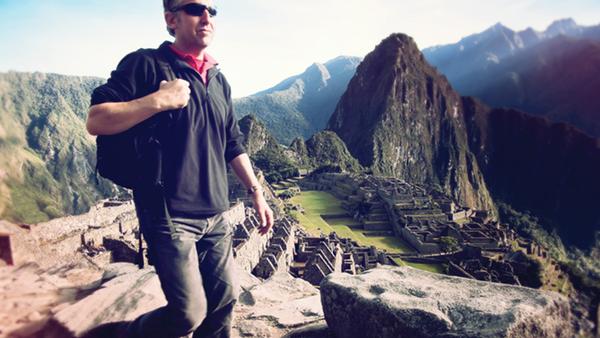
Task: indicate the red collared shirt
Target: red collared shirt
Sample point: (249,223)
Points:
(201,66)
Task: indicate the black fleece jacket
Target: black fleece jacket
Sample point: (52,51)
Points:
(203,138)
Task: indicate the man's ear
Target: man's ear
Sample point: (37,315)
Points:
(171,20)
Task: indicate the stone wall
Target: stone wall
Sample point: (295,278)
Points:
(421,246)
(279,254)
(249,244)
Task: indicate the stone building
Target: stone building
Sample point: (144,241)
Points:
(316,257)
(279,253)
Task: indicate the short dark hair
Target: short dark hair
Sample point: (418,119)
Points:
(168,5)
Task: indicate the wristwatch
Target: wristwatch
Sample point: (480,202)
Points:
(254,189)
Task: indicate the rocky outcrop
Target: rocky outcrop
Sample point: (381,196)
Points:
(273,159)
(400,117)
(405,302)
(298,148)
(30,294)
(256,135)
(325,148)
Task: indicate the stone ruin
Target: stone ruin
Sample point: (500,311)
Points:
(422,217)
(472,264)
(411,212)
(317,257)
(279,254)
(263,255)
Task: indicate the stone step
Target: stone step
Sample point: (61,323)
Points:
(377,226)
(377,208)
(378,233)
(377,217)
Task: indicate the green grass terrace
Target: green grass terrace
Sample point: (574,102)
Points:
(323,213)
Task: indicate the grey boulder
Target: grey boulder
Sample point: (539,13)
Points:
(405,302)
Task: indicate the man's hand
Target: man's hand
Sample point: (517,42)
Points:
(243,169)
(110,118)
(173,94)
(264,212)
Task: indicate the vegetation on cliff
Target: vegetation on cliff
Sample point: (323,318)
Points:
(47,159)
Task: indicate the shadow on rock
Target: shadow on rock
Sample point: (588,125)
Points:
(318,330)
(109,330)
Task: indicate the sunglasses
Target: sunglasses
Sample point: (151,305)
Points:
(196,9)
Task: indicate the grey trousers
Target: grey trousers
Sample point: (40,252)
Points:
(194,262)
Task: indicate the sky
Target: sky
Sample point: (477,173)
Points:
(258,43)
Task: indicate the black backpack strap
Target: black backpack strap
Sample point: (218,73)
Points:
(167,117)
(164,66)
(167,74)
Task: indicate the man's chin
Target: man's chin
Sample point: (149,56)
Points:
(204,42)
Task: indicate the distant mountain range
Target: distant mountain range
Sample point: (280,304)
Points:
(47,159)
(301,104)
(554,73)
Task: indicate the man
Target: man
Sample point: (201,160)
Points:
(189,239)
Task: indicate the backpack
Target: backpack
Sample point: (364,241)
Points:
(133,158)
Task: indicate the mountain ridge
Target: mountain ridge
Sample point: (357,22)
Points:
(546,73)
(300,105)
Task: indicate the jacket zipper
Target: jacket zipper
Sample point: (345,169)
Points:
(207,91)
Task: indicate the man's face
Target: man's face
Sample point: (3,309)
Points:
(191,30)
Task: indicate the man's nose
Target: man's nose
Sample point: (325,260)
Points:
(205,15)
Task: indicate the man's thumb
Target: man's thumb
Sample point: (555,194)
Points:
(263,218)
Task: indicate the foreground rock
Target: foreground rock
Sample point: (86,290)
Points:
(276,306)
(265,309)
(405,302)
(30,294)
(123,298)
